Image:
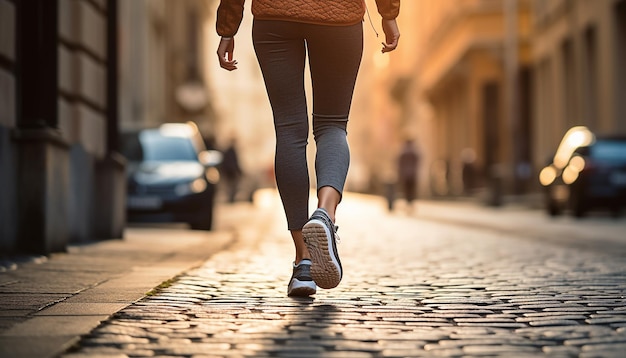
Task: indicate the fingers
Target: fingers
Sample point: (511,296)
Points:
(388,47)
(225,52)
(228,65)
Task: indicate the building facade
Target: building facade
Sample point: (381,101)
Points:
(163,65)
(579,57)
(504,80)
(61,180)
(473,70)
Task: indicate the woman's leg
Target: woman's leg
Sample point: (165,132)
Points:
(334,58)
(281,54)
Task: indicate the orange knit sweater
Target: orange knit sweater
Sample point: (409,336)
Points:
(324,12)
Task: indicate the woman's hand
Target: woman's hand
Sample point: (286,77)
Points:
(392,35)
(225,53)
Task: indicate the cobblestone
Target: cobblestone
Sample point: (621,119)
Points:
(411,288)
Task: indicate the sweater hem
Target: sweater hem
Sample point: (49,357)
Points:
(306,21)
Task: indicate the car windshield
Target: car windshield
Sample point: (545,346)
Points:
(157,147)
(152,145)
(614,150)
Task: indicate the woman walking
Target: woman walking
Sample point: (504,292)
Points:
(330,32)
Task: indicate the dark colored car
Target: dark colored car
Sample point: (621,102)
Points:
(171,175)
(588,171)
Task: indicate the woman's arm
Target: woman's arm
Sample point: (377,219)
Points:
(229,16)
(389,10)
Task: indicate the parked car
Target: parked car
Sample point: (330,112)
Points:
(588,171)
(172,177)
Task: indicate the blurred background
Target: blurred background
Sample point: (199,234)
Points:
(485,89)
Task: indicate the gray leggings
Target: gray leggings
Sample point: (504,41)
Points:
(334,58)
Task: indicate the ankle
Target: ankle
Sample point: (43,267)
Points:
(300,259)
(328,199)
(303,260)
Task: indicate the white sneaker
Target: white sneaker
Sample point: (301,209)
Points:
(320,237)
(301,283)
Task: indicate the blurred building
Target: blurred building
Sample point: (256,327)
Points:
(142,69)
(61,180)
(503,80)
(385,110)
(162,63)
(239,100)
(474,70)
(579,57)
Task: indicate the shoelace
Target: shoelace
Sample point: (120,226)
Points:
(324,217)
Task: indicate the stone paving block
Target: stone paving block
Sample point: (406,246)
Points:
(500,349)
(562,351)
(603,354)
(493,324)
(570,309)
(35,346)
(614,339)
(486,341)
(21,301)
(599,350)
(549,305)
(104,352)
(606,320)
(114,339)
(348,355)
(430,324)
(443,352)
(51,326)
(8,313)
(108,295)
(553,322)
(9,321)
(404,345)
(463,312)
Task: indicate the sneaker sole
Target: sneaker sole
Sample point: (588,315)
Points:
(299,288)
(325,270)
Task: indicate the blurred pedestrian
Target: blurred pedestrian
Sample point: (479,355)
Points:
(408,171)
(231,171)
(330,32)
(468,170)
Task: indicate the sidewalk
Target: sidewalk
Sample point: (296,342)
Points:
(597,232)
(46,304)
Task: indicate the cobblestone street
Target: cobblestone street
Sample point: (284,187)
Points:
(411,288)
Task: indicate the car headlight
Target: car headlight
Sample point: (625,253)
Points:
(195,187)
(547,176)
(570,175)
(212,175)
(577,163)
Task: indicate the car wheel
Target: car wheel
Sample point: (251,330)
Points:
(205,224)
(552,207)
(616,211)
(577,203)
(200,225)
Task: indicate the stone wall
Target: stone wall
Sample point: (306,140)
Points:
(60,182)
(7,123)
